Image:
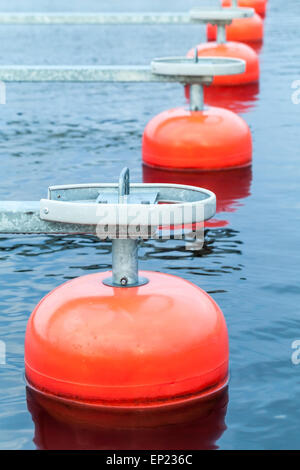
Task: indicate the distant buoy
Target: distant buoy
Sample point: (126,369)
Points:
(141,346)
(124,339)
(247,30)
(198,138)
(260,6)
(211,139)
(231,49)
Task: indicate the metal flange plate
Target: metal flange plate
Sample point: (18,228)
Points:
(220,15)
(147,205)
(206,66)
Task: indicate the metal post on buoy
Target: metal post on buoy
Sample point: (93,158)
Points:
(124,263)
(196,92)
(220,18)
(196,97)
(125,251)
(221,33)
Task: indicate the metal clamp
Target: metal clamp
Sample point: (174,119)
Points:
(220,17)
(122,212)
(207,67)
(125,213)
(147,205)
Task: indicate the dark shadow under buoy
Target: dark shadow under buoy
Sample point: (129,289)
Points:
(229,186)
(193,426)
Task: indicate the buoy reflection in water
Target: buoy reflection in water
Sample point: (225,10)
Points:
(229,186)
(195,426)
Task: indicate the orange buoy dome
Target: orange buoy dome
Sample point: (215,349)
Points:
(231,49)
(246,30)
(211,139)
(156,344)
(260,6)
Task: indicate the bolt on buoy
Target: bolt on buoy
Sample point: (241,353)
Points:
(124,251)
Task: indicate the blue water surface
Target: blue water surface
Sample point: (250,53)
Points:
(65,133)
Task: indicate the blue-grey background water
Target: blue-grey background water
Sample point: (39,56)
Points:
(65,133)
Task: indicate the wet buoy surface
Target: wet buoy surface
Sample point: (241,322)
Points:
(231,50)
(211,139)
(249,30)
(260,6)
(162,342)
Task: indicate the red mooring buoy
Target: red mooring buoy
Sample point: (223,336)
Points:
(143,346)
(198,137)
(223,48)
(211,139)
(126,340)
